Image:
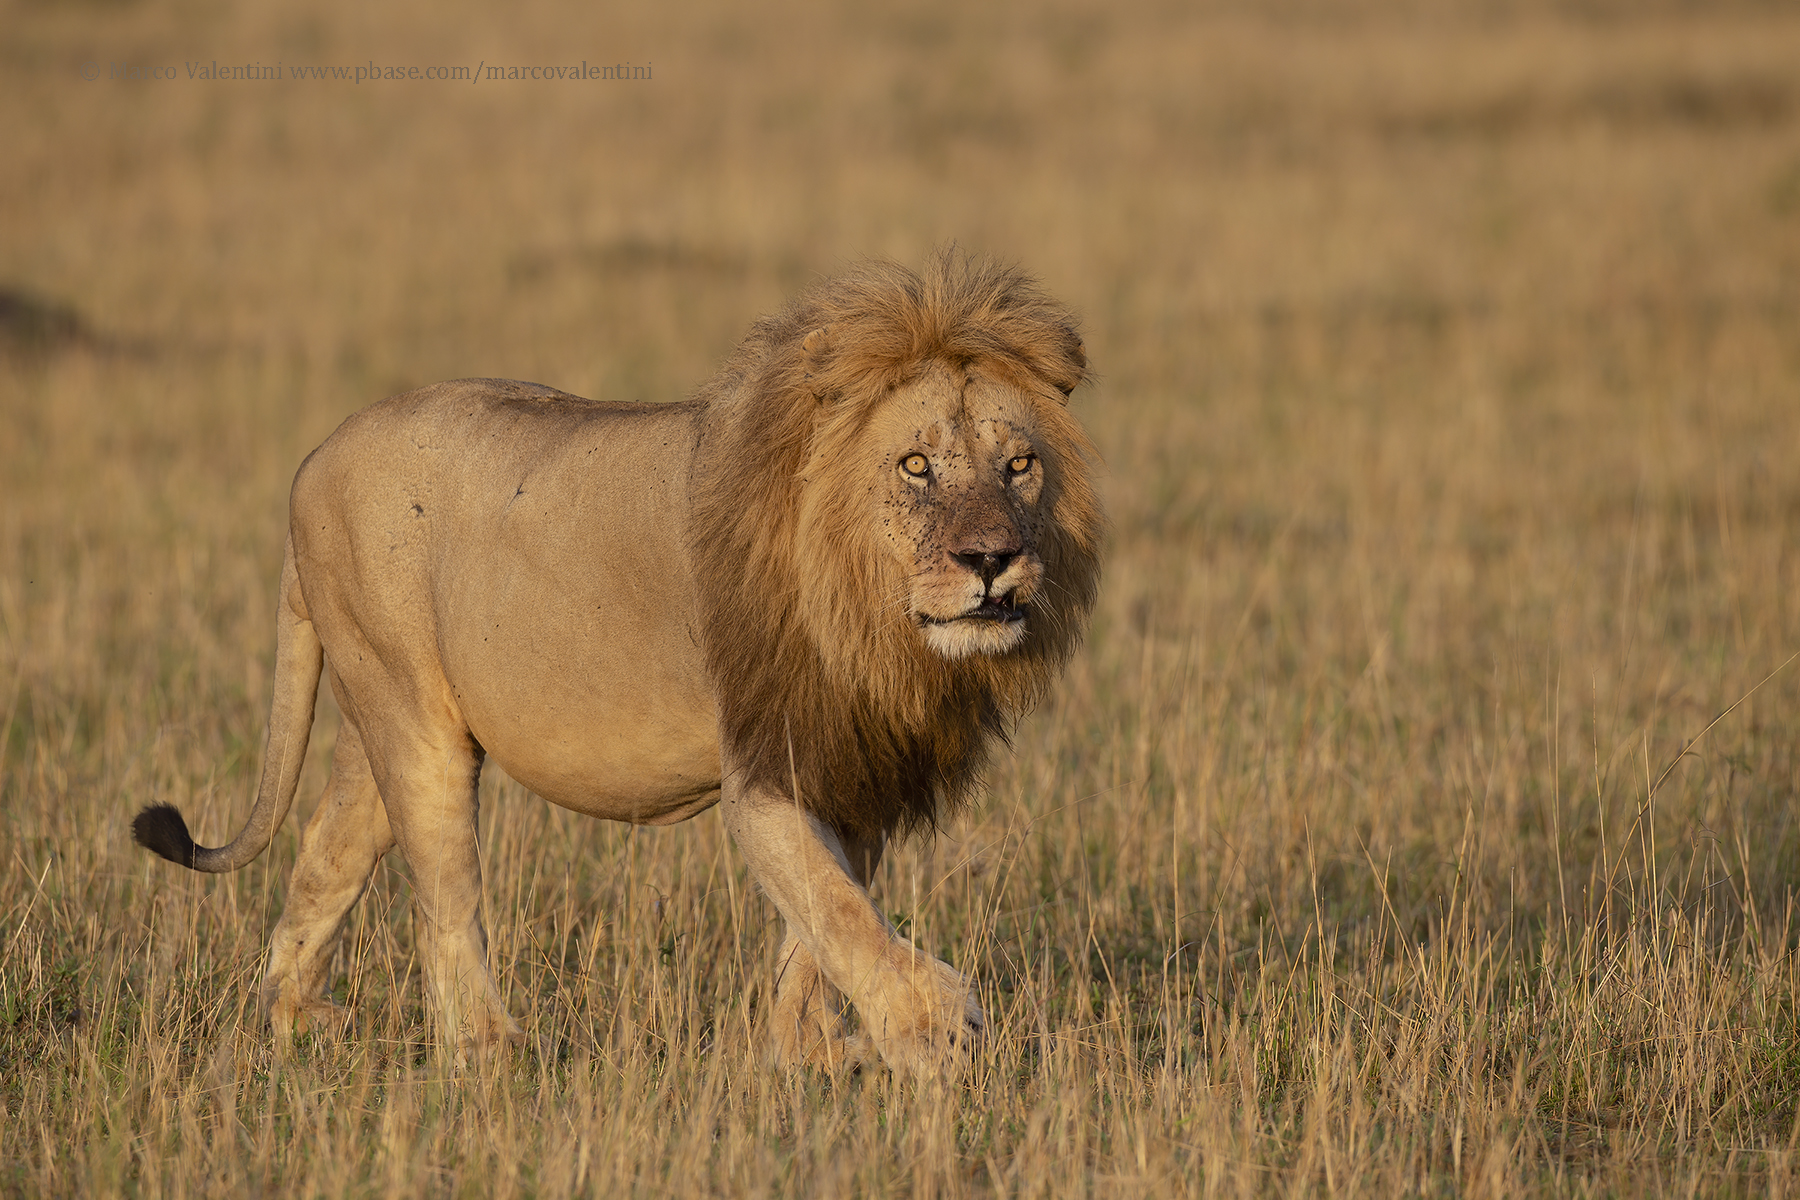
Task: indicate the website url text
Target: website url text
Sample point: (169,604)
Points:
(370,72)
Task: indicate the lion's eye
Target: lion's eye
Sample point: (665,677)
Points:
(1021,464)
(915,465)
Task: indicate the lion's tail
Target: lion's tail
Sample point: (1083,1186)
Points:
(299,660)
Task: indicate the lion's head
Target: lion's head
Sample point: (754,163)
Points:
(896,533)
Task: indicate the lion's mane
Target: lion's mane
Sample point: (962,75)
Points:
(826,693)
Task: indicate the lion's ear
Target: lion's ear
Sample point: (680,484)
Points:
(1068,368)
(814,349)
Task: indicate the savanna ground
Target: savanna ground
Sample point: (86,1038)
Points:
(1450,387)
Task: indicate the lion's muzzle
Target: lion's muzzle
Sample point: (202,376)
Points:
(1004,609)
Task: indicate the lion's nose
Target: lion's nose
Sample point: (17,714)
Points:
(989,564)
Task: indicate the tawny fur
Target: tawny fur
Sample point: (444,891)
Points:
(819,682)
(814,594)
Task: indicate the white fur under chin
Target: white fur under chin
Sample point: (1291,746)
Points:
(959,639)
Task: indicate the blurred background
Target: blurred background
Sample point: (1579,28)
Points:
(1448,366)
(1448,377)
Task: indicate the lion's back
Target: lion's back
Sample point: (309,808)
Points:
(523,549)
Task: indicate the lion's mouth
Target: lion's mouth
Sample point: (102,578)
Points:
(1002,610)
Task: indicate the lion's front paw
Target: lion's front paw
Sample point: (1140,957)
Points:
(795,1046)
(931,1019)
(806,1028)
(290,1017)
(804,1034)
(486,1038)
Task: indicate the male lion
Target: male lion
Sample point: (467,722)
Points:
(816,592)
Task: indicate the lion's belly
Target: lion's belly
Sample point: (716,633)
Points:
(563,607)
(624,765)
(606,718)
(590,693)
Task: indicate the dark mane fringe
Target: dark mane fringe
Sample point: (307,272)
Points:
(825,691)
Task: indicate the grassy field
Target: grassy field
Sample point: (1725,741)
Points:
(1449,382)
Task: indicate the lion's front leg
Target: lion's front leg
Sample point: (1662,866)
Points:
(918,1011)
(806,1024)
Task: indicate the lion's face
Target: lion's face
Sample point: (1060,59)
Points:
(959,476)
(895,532)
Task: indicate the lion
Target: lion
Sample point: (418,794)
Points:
(814,594)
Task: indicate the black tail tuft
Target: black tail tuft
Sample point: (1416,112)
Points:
(160,829)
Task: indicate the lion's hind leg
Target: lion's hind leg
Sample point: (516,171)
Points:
(428,781)
(339,850)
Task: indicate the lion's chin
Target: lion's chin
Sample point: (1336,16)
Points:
(964,636)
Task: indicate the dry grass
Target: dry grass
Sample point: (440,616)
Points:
(1451,385)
